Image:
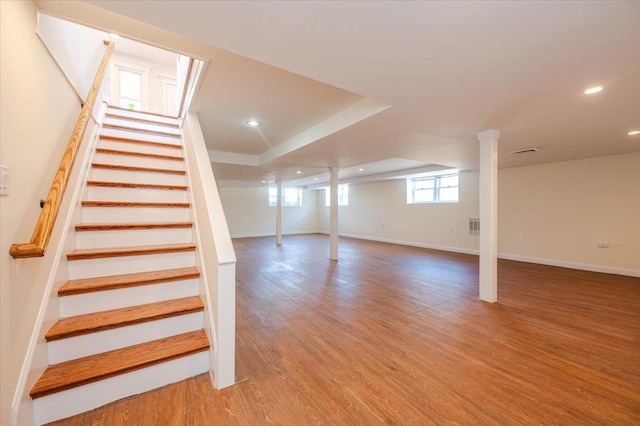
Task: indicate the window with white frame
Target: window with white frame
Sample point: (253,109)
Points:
(343,195)
(433,189)
(290,196)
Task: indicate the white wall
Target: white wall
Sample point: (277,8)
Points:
(555,213)
(551,213)
(248,213)
(77,49)
(38,111)
(379,211)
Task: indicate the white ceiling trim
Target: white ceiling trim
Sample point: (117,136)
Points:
(349,116)
(233,158)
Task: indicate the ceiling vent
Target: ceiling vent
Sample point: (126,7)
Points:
(524,150)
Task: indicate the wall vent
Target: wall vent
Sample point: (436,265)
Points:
(524,150)
(474,226)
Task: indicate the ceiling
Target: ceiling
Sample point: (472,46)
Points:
(387,86)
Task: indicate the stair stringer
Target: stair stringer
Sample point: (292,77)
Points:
(36,358)
(216,257)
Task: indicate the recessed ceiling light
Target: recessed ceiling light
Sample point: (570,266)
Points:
(252,123)
(114,36)
(315,178)
(361,170)
(634,132)
(264,181)
(593,90)
(298,172)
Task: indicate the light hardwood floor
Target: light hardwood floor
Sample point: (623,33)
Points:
(397,335)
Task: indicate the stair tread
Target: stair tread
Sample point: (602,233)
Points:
(135,185)
(112,282)
(81,371)
(136,168)
(106,320)
(138,130)
(80,254)
(113,116)
(140,141)
(143,112)
(92,203)
(132,225)
(138,154)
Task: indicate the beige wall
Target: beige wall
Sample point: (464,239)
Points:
(38,108)
(558,211)
(248,213)
(380,211)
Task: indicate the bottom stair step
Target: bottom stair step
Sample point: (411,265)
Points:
(78,372)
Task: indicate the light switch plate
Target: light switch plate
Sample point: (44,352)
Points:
(4,180)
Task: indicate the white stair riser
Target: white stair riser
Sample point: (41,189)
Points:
(135,114)
(94,343)
(130,160)
(140,125)
(140,135)
(134,214)
(58,406)
(133,237)
(136,194)
(86,303)
(111,175)
(138,147)
(90,268)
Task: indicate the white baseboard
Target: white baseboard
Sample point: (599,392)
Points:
(412,244)
(272,234)
(571,265)
(507,256)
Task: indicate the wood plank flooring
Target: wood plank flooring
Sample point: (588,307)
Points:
(396,335)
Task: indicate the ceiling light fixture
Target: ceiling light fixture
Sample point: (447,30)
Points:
(298,172)
(315,178)
(361,170)
(264,181)
(593,90)
(634,132)
(252,123)
(114,36)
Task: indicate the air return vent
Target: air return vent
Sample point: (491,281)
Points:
(474,226)
(524,150)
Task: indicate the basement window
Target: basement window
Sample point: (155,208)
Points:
(291,197)
(433,189)
(343,195)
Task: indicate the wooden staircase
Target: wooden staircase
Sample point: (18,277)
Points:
(131,315)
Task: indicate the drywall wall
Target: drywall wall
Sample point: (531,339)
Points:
(38,109)
(556,213)
(249,215)
(379,211)
(77,49)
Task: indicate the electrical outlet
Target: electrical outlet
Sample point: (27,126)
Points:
(603,243)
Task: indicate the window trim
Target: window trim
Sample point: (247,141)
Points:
(411,198)
(343,197)
(272,197)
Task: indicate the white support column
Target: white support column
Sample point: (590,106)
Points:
(333,214)
(279,213)
(489,215)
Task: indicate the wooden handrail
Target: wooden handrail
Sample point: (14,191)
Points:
(187,80)
(42,232)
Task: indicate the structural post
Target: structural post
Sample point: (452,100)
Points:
(279,213)
(333,214)
(489,215)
